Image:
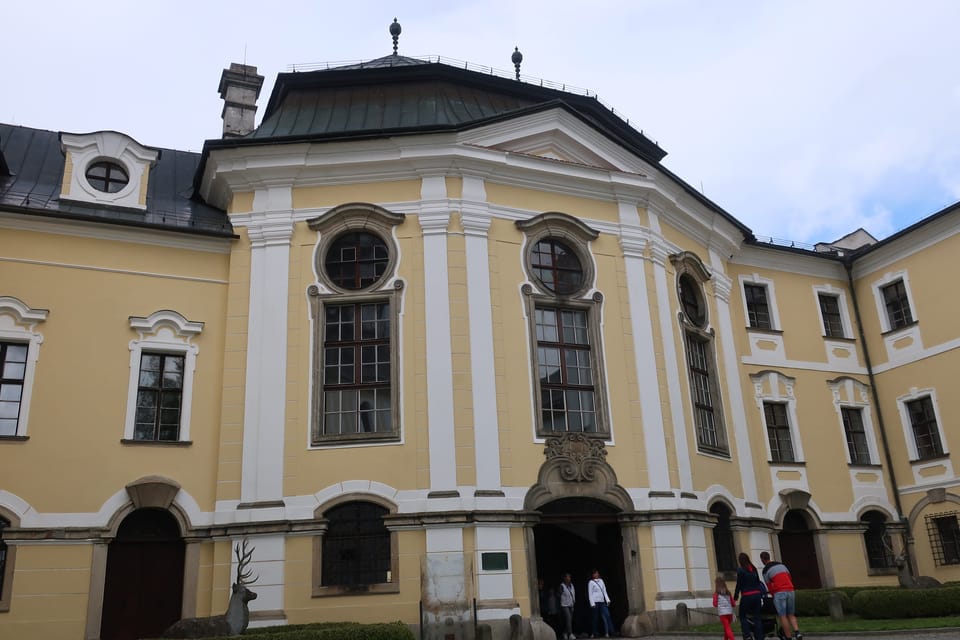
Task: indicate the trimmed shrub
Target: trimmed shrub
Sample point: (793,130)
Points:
(907,603)
(331,631)
(813,602)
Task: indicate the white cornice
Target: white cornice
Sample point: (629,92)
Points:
(779,260)
(106,231)
(918,240)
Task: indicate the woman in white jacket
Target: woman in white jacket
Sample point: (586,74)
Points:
(599,604)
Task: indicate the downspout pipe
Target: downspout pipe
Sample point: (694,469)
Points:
(848,265)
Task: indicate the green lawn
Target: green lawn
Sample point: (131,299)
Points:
(853,623)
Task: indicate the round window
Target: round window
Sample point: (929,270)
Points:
(107,176)
(356,260)
(692,300)
(556,266)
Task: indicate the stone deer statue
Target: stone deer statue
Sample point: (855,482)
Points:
(235,620)
(905,574)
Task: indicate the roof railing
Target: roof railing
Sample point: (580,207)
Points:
(461,64)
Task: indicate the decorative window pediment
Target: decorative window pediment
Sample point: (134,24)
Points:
(106,167)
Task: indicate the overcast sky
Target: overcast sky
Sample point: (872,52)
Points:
(804,119)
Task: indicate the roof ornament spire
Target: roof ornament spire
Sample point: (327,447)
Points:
(395,30)
(517,58)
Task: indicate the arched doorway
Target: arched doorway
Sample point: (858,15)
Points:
(143,587)
(577,535)
(798,550)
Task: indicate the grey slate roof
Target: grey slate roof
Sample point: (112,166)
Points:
(31,173)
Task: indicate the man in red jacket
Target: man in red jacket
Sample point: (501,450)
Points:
(780,585)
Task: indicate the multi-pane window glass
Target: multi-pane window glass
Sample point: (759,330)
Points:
(830,311)
(565,366)
(926,433)
(944,532)
(108,177)
(877,541)
(13,360)
(897,304)
(709,434)
(356,369)
(159,397)
(778,432)
(856,435)
(758,311)
(556,266)
(357,260)
(356,546)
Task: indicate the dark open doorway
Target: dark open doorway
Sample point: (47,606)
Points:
(143,587)
(799,552)
(577,535)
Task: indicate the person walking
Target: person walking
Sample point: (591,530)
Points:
(749,591)
(568,598)
(599,604)
(723,601)
(780,583)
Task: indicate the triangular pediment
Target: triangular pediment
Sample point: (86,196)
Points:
(556,134)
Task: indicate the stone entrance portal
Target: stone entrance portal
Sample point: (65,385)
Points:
(586,521)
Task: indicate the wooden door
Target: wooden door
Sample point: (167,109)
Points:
(799,552)
(143,589)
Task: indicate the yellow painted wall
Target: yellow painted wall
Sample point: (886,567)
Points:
(81,383)
(544,201)
(50,586)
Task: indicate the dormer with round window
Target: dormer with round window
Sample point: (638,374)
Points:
(106,168)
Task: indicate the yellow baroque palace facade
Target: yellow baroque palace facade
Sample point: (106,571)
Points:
(427,335)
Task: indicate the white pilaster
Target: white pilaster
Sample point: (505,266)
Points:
(434,219)
(267,564)
(475,216)
(722,286)
(696,543)
(659,252)
(270,229)
(670,558)
(633,241)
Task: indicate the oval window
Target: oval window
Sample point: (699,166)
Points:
(691,298)
(556,266)
(106,176)
(356,260)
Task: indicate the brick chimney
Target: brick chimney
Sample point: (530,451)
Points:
(239,88)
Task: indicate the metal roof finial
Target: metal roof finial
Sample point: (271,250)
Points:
(395,30)
(517,58)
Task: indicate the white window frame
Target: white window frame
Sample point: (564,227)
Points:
(878,285)
(773,379)
(857,397)
(767,283)
(908,435)
(18,324)
(162,332)
(841,295)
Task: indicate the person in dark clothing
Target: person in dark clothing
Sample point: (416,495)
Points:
(749,591)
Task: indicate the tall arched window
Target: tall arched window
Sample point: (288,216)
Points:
(723,547)
(877,541)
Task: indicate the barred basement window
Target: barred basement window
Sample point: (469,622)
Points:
(356,547)
(723,547)
(943,530)
(877,541)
